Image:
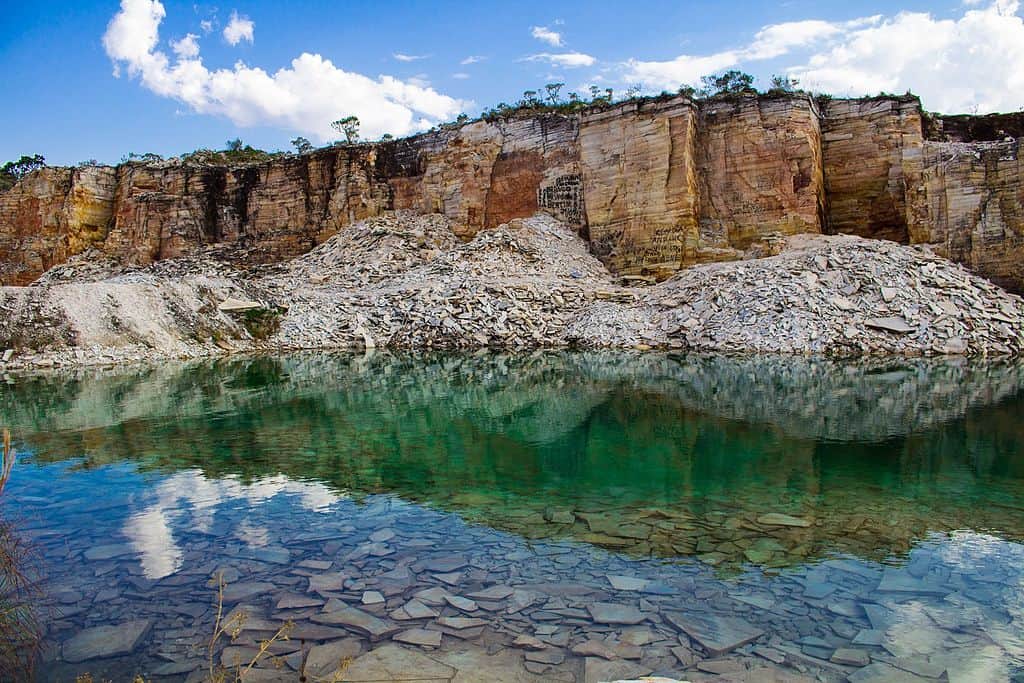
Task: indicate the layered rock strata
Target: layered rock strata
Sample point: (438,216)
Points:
(654,185)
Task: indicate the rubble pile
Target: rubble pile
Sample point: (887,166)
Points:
(407,281)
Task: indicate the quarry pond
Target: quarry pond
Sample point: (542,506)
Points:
(547,516)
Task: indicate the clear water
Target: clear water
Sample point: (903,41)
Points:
(856,519)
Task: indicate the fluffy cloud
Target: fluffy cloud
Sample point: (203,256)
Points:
(187,47)
(304,96)
(975,61)
(238,29)
(472,59)
(569,60)
(401,57)
(546,35)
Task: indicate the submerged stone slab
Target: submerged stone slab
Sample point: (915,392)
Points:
(102,642)
(597,670)
(357,620)
(779,519)
(419,636)
(614,613)
(900,581)
(718,635)
(109,551)
(323,660)
(236,592)
(395,663)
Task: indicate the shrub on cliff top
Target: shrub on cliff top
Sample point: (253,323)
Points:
(13,171)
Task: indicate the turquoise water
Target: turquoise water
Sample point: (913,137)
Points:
(827,508)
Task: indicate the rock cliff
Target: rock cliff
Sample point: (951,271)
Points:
(654,185)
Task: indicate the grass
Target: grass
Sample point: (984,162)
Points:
(20,629)
(232,628)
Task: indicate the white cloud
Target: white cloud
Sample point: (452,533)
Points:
(305,96)
(569,60)
(206,25)
(472,59)
(238,29)
(973,61)
(187,47)
(461,76)
(955,65)
(408,58)
(546,35)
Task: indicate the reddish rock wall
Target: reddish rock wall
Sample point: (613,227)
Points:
(655,185)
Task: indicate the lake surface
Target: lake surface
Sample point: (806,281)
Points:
(535,517)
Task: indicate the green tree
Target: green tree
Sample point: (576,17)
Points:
(687,91)
(302,145)
(13,171)
(731,82)
(234,145)
(553,90)
(349,127)
(783,84)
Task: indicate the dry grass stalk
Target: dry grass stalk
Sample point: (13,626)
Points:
(232,628)
(20,630)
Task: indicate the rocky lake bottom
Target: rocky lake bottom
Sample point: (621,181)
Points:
(551,516)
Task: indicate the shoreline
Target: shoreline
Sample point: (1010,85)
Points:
(406,282)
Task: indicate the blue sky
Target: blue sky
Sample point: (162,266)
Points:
(62,98)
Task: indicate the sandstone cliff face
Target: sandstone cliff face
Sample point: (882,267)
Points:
(484,174)
(872,159)
(52,215)
(760,169)
(640,187)
(654,185)
(971,202)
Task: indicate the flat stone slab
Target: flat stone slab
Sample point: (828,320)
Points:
(236,592)
(460,603)
(444,565)
(717,635)
(357,620)
(597,670)
(101,642)
(899,581)
(395,663)
(460,623)
(895,325)
(298,602)
(109,551)
(419,636)
(627,583)
(330,581)
(779,519)
(492,593)
(614,613)
(323,660)
(232,305)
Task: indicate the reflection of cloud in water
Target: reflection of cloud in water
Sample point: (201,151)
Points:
(189,500)
(150,534)
(920,626)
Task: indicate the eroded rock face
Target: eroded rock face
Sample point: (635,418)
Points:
(872,158)
(640,185)
(760,170)
(485,174)
(51,215)
(654,186)
(972,207)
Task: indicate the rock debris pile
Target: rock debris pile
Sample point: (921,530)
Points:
(406,281)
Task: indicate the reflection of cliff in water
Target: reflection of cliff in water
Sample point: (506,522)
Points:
(645,453)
